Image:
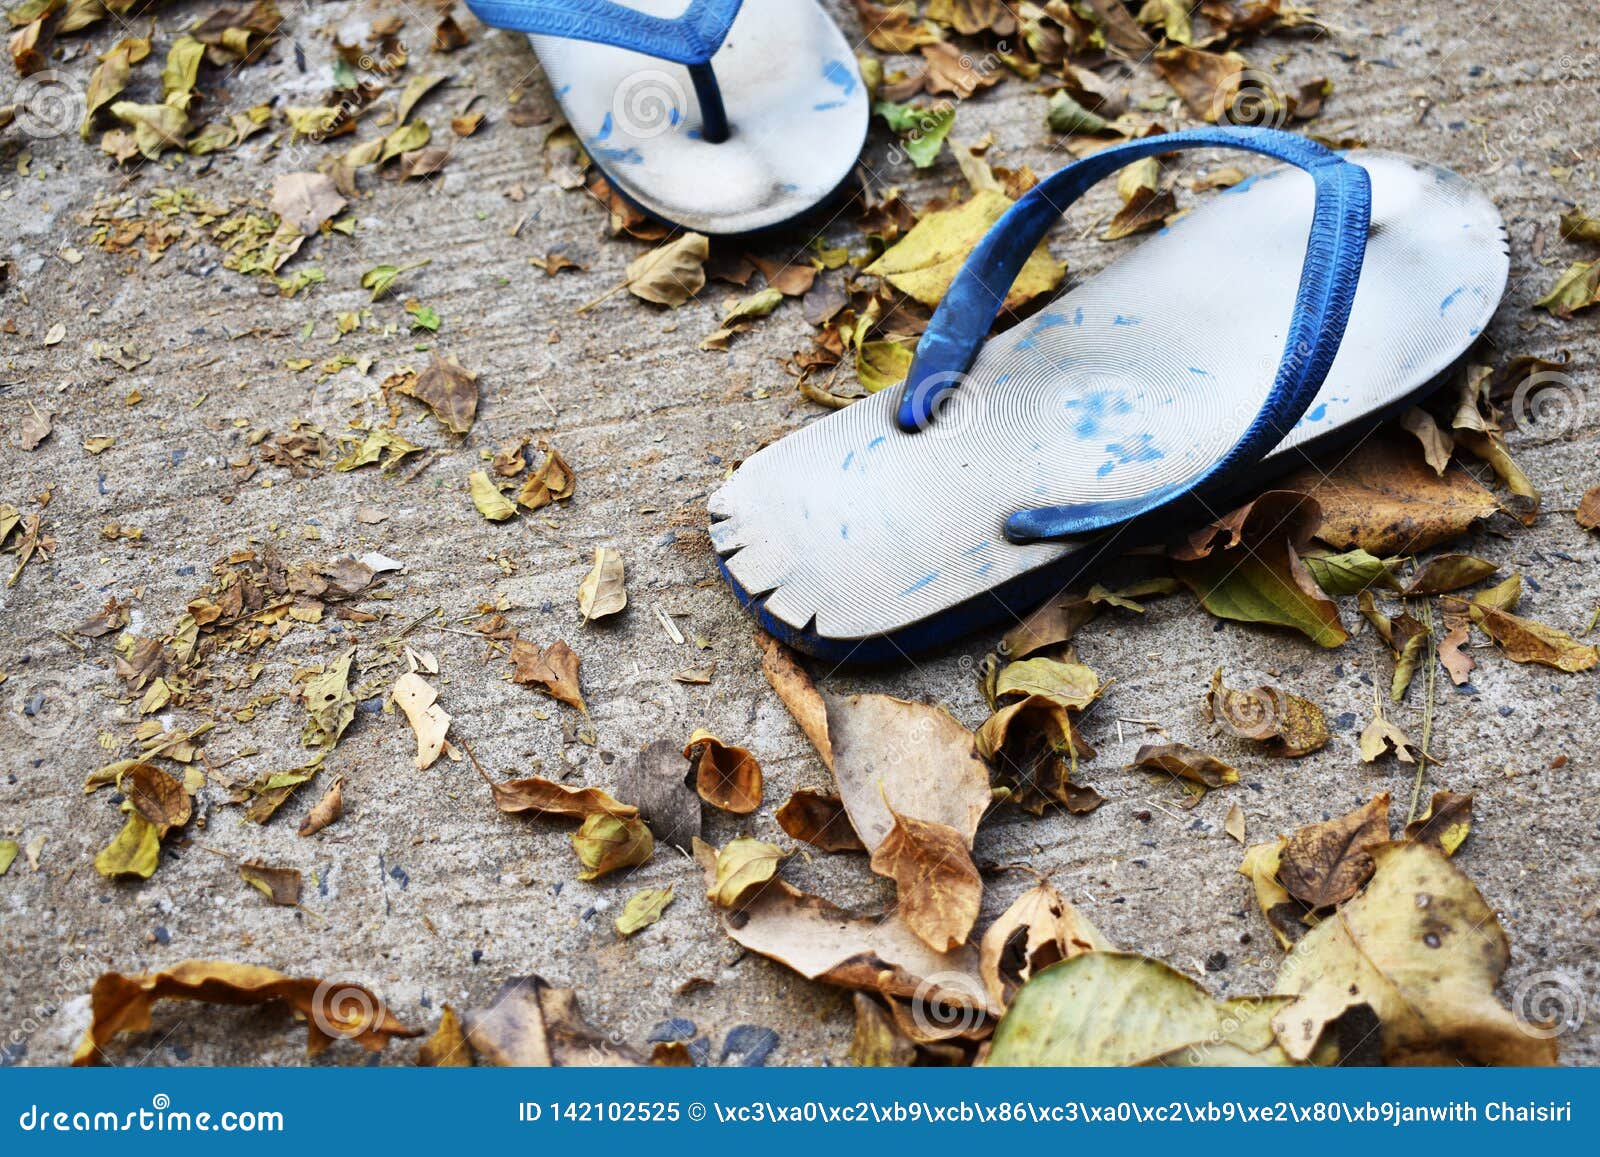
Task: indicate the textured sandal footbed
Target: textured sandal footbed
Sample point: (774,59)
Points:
(850,531)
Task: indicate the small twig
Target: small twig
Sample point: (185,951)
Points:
(1425,756)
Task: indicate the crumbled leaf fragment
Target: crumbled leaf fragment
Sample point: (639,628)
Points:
(280,885)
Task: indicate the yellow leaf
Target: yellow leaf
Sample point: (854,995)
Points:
(486,496)
(643,909)
(135,851)
(924,261)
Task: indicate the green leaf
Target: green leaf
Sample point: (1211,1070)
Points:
(1349,573)
(922,130)
(381,279)
(1114,1008)
(1066,115)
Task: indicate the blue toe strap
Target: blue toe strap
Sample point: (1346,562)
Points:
(690,39)
(1328,278)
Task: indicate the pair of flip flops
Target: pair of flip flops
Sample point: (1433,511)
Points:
(1289,313)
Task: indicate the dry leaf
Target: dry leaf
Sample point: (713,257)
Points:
(546,797)
(1186,762)
(486,496)
(34,428)
(280,885)
(1327,863)
(741,870)
(327,809)
(1207,82)
(1233,824)
(1381,737)
(447,1047)
(924,261)
(602,591)
(726,777)
(419,700)
(1383,498)
(1039,929)
(271,790)
(553,669)
(655,780)
(1588,512)
(121,1003)
(672,273)
(448,389)
(1437,445)
(1406,636)
(607,842)
(798,692)
(820,820)
(532,1025)
(156,796)
(877,1043)
(891,756)
(553,481)
(873,953)
(1449,572)
(1525,641)
(1290,725)
(1036,748)
(135,850)
(938,886)
(1288,917)
(1113,1008)
(1421,948)
(1456,662)
(305,200)
(330,706)
(643,909)
(1445,824)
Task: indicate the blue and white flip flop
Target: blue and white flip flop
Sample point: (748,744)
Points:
(722,116)
(993,476)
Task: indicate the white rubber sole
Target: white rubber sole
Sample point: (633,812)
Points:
(794,100)
(1138,379)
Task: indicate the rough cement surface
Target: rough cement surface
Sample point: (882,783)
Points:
(427,894)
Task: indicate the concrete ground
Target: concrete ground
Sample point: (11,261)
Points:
(423,891)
